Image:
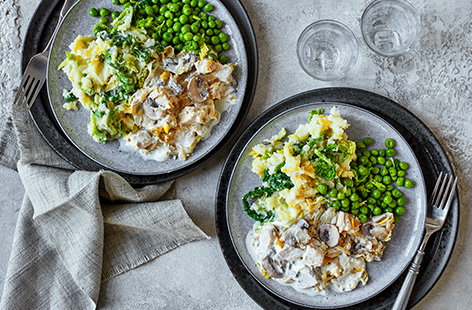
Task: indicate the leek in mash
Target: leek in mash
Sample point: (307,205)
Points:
(153,100)
(298,240)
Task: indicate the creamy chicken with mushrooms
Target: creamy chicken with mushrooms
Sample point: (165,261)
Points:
(157,102)
(298,239)
(180,103)
(327,249)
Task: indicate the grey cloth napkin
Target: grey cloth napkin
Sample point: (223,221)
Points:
(78,228)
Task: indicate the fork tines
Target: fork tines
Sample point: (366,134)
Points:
(445,186)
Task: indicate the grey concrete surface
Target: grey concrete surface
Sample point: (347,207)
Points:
(433,81)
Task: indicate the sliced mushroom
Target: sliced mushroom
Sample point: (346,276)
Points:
(198,89)
(152,109)
(329,234)
(273,270)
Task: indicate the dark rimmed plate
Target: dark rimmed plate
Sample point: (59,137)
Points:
(406,236)
(38,33)
(426,148)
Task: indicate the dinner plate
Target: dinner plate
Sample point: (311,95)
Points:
(110,155)
(406,235)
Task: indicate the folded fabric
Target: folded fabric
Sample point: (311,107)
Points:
(78,228)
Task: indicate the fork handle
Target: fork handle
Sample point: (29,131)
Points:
(65,8)
(403,297)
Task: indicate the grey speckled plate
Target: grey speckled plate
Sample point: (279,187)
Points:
(74,123)
(406,236)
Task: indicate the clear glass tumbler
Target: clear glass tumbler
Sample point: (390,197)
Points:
(327,50)
(390,27)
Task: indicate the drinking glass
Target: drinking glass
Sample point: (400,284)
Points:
(327,50)
(390,27)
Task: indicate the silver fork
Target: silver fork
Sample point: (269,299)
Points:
(440,203)
(35,73)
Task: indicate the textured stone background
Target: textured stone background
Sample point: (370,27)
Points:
(433,81)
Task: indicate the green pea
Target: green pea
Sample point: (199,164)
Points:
(341,196)
(367,141)
(196,38)
(355,205)
(388,164)
(219,24)
(193,3)
(409,183)
(388,199)
(103,20)
(372,200)
(345,209)
(369,185)
(204,24)
(177,26)
(388,210)
(94,12)
(364,210)
(208,7)
(123,1)
(403,165)
(393,204)
(185,28)
(390,152)
(401,201)
(149,10)
(116,2)
(392,171)
(363,160)
(396,193)
(336,205)
(167,36)
(400,211)
(176,40)
(373,160)
(104,12)
(164,1)
(226,46)
(374,152)
(179,47)
(333,192)
(345,202)
(375,170)
(215,40)
(360,145)
(378,178)
(188,36)
(354,211)
(376,194)
(377,211)
(363,170)
(218,48)
(400,181)
(115,15)
(401,173)
(354,197)
(366,153)
(382,153)
(383,171)
(195,27)
(211,24)
(386,180)
(169,23)
(390,143)
(363,218)
(223,37)
(347,182)
(183,19)
(201,3)
(322,188)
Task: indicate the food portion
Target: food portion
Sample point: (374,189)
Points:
(145,84)
(326,206)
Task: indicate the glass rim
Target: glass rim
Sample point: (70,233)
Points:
(416,15)
(346,30)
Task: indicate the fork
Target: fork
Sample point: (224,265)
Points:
(35,73)
(440,203)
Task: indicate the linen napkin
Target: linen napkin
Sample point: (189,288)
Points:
(78,228)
